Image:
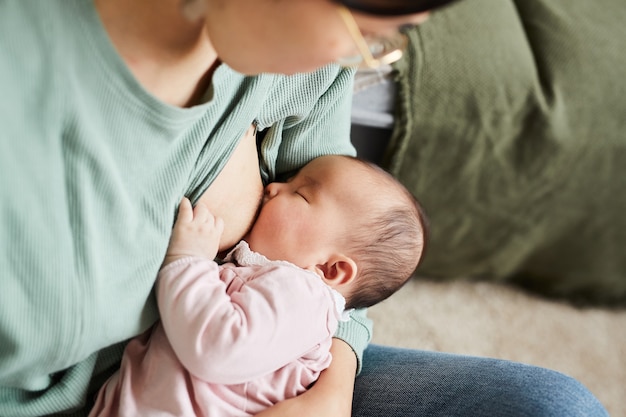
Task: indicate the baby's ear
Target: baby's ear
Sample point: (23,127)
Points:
(338,271)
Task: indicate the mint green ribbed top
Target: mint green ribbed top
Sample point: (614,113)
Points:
(91,170)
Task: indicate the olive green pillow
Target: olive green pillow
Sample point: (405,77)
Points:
(511,130)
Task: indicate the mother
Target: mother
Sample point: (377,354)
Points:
(111,111)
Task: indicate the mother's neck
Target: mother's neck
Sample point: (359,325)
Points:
(169,55)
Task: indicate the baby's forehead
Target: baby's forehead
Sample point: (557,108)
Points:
(378,189)
(360,176)
(335,165)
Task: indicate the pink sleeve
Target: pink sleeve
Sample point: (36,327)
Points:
(223,338)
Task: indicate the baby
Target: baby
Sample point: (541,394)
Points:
(237,338)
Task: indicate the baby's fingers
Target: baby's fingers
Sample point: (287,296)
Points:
(203,216)
(201,213)
(219,225)
(185,211)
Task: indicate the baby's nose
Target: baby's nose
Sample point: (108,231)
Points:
(272,189)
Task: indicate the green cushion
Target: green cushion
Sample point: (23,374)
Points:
(511,129)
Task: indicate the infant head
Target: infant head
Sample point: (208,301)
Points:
(349,221)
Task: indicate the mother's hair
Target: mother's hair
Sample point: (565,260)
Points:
(393,7)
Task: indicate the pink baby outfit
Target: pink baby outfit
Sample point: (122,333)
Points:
(232,341)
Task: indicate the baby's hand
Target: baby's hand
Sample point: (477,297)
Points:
(196,233)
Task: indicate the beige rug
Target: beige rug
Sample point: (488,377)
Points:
(491,320)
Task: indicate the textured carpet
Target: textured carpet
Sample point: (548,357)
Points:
(495,321)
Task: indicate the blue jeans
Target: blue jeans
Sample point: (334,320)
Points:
(404,382)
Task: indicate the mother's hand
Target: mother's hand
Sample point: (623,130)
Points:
(236,193)
(332,393)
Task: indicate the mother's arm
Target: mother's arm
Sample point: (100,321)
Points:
(332,393)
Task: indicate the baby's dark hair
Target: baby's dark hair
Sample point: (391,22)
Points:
(387,246)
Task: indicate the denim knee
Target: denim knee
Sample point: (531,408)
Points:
(406,382)
(550,393)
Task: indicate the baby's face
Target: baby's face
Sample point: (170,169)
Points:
(302,220)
